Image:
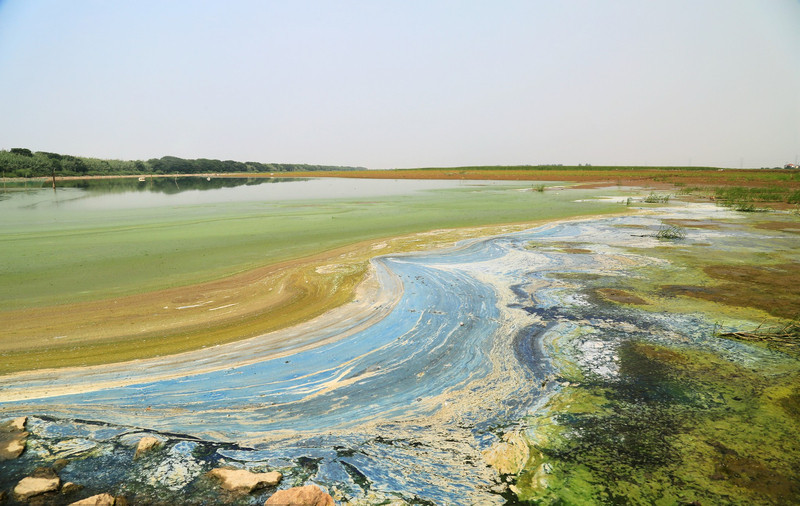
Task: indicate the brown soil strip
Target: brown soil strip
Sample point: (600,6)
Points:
(792,228)
(657,178)
(620,296)
(774,289)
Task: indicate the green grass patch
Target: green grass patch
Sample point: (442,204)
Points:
(745,199)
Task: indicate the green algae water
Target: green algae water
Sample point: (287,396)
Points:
(102,239)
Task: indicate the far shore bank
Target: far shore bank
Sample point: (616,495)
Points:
(620,176)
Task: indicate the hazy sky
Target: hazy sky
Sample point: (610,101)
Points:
(405,83)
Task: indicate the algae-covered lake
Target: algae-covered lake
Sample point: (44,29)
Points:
(66,245)
(578,359)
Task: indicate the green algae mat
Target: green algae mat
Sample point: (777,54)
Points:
(702,414)
(73,245)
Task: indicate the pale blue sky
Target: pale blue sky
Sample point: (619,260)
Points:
(405,83)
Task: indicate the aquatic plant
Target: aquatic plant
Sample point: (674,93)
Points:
(670,232)
(539,188)
(748,207)
(784,337)
(657,198)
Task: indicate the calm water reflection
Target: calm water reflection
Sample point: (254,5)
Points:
(171,191)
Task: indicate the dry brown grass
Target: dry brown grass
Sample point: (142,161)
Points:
(594,177)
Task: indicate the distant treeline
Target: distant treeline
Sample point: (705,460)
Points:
(22,162)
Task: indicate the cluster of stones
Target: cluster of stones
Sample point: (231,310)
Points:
(240,480)
(44,482)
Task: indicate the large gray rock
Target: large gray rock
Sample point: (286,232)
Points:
(241,480)
(310,495)
(96,500)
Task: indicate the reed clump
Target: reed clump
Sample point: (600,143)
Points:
(670,232)
(657,198)
(785,337)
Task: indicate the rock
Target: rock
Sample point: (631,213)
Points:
(241,480)
(146,444)
(14,425)
(96,500)
(12,445)
(13,438)
(72,447)
(33,486)
(70,488)
(60,464)
(310,495)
